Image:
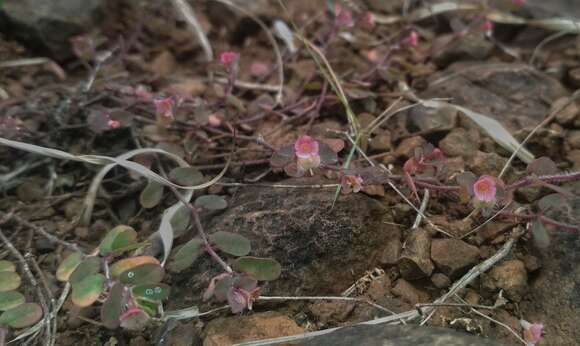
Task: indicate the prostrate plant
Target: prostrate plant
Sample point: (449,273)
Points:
(16,313)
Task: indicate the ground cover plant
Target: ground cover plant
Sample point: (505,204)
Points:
(142,195)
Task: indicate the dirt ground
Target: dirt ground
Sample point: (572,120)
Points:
(364,244)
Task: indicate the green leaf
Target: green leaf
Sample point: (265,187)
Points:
(148,306)
(211,202)
(151,195)
(146,273)
(89,266)
(552,201)
(134,319)
(151,292)
(128,263)
(186,176)
(327,155)
(9,281)
(87,291)
(181,221)
(117,238)
(542,166)
(231,243)
(7,266)
(113,307)
(185,255)
(540,234)
(10,299)
(262,269)
(283,157)
(24,315)
(68,265)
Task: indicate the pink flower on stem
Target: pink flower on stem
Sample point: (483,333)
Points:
(164,107)
(412,39)
(532,332)
(228,59)
(343,16)
(484,189)
(306,150)
(351,183)
(487,27)
(113,124)
(369,19)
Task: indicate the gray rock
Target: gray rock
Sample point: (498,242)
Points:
(432,120)
(398,335)
(49,24)
(449,50)
(460,142)
(453,256)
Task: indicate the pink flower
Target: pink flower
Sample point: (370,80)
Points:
(306,147)
(369,19)
(412,39)
(113,124)
(519,2)
(351,183)
(164,107)
(259,69)
(343,16)
(485,189)
(373,56)
(532,332)
(487,27)
(228,58)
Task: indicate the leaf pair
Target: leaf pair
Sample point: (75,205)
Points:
(152,195)
(15,312)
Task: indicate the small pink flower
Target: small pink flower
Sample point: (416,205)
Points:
(306,147)
(369,19)
(351,183)
(343,16)
(228,58)
(113,124)
(259,69)
(214,120)
(487,26)
(373,56)
(485,189)
(519,2)
(164,107)
(532,332)
(412,39)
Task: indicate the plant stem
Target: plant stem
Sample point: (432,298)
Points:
(543,218)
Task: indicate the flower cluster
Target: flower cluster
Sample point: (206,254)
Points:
(532,332)
(306,155)
(307,151)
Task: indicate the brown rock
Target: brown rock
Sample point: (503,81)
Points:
(460,142)
(574,77)
(487,163)
(381,142)
(409,293)
(189,87)
(574,139)
(426,119)
(440,280)
(392,248)
(453,256)
(532,263)
(379,288)
(574,157)
(407,147)
(568,114)
(236,329)
(415,261)
(510,276)
(365,119)
(331,311)
(449,50)
(163,64)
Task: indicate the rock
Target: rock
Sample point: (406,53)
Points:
(574,77)
(236,329)
(365,119)
(453,256)
(407,146)
(448,49)
(415,261)
(182,334)
(426,119)
(399,335)
(49,24)
(532,263)
(574,139)
(189,87)
(568,114)
(459,142)
(322,249)
(487,163)
(163,64)
(510,276)
(379,288)
(392,248)
(560,8)
(516,95)
(409,293)
(574,158)
(440,280)
(381,142)
(331,311)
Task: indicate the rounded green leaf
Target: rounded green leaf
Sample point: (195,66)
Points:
(262,269)
(231,243)
(24,315)
(211,202)
(128,263)
(134,319)
(88,290)
(113,306)
(9,281)
(180,221)
(151,292)
(327,155)
(151,195)
(89,266)
(186,176)
(68,265)
(185,255)
(7,266)
(146,273)
(10,299)
(117,238)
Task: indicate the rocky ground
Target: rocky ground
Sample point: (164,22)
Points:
(365,245)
